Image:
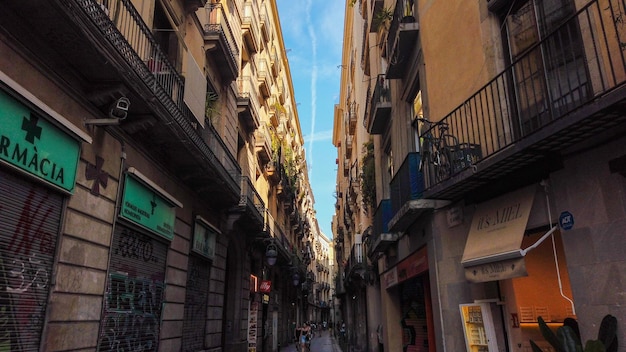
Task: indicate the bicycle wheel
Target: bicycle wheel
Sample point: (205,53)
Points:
(443,164)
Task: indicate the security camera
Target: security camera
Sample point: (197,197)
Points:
(119,108)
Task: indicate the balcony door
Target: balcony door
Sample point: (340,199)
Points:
(550,78)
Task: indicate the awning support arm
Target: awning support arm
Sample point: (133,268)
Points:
(539,241)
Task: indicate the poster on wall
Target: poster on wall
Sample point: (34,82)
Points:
(252,326)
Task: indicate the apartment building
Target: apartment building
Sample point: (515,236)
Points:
(498,132)
(153,182)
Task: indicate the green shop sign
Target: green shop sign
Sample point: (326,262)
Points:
(30,143)
(204,237)
(147,208)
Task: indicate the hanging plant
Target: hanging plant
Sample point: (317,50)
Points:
(368,176)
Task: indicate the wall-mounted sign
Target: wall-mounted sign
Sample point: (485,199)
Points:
(32,144)
(147,208)
(204,238)
(566,220)
(265,286)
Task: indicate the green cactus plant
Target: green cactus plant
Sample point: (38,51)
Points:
(566,338)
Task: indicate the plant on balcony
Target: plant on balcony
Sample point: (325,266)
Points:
(382,18)
(271,168)
(368,176)
(211,108)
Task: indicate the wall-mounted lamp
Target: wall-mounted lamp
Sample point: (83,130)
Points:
(271,254)
(296,278)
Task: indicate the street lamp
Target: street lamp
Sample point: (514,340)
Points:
(271,254)
(296,278)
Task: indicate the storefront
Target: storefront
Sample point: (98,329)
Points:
(135,287)
(198,276)
(39,153)
(409,282)
(514,243)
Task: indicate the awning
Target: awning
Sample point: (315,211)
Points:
(493,248)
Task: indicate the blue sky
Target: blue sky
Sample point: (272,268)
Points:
(313,33)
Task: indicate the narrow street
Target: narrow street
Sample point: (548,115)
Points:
(323,341)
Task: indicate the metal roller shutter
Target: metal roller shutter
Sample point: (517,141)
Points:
(196,304)
(29,225)
(134,292)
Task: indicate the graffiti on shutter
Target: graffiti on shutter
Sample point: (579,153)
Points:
(134,292)
(29,225)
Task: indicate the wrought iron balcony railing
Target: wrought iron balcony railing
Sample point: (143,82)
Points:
(251,201)
(562,90)
(408,183)
(218,35)
(380,238)
(247,101)
(250,26)
(402,38)
(121,24)
(380,107)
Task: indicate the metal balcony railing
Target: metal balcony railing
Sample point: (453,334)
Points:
(356,255)
(380,107)
(250,198)
(576,65)
(131,29)
(217,23)
(408,183)
(250,23)
(123,26)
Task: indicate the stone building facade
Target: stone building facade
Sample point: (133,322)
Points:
(497,129)
(153,177)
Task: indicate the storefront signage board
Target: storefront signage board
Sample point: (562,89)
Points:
(146,208)
(32,144)
(204,239)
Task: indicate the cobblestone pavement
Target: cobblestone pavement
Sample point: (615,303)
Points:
(323,341)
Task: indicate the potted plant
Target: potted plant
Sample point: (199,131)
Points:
(382,18)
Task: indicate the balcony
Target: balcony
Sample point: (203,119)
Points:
(380,107)
(381,238)
(352,117)
(251,204)
(356,264)
(266,26)
(219,41)
(274,63)
(349,140)
(264,78)
(263,144)
(518,124)
(105,59)
(406,189)
(250,26)
(401,40)
(247,102)
(281,91)
(273,234)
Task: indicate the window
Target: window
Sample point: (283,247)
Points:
(550,77)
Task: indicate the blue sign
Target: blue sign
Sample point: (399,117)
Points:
(566,220)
